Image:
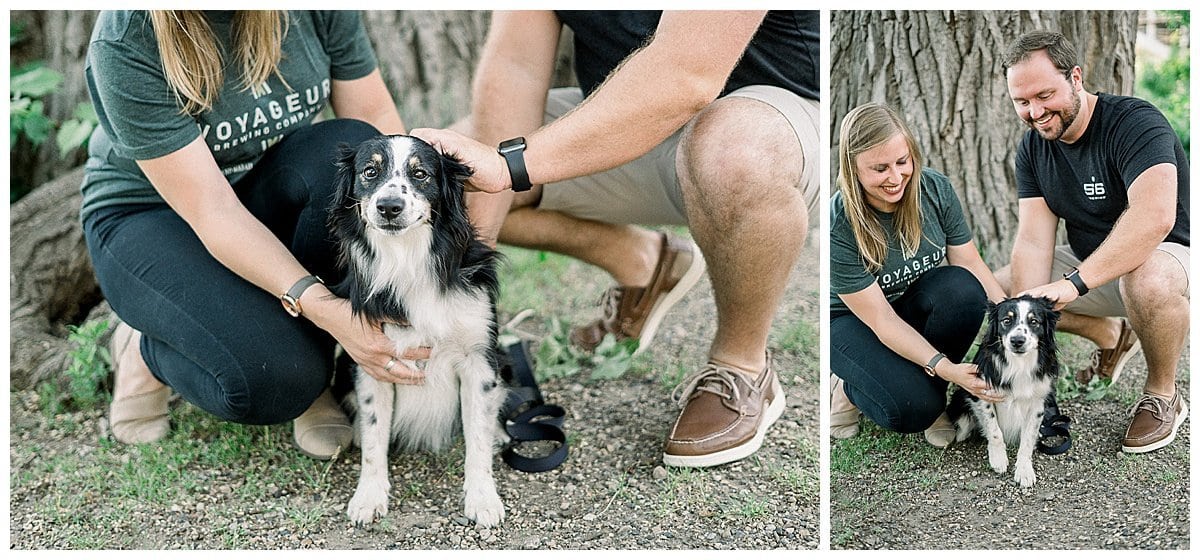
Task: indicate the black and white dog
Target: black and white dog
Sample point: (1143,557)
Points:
(1019,358)
(415,265)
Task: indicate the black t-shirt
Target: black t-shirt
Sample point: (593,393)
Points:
(1087,183)
(784,52)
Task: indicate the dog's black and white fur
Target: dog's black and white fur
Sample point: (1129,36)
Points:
(1019,358)
(415,265)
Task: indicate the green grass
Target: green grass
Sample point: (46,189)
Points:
(800,337)
(530,278)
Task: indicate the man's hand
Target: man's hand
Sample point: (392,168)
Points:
(1062,292)
(491,171)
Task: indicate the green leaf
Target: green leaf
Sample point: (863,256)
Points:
(20,105)
(36,127)
(612,367)
(36,82)
(85,112)
(72,134)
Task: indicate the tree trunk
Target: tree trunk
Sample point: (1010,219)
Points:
(428,60)
(941,71)
(51,280)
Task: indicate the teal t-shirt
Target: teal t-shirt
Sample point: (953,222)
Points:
(943,224)
(140,117)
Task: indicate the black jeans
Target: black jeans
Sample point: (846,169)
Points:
(221,342)
(946,306)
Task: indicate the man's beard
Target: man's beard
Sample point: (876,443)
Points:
(1066,117)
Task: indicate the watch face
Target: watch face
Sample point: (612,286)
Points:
(512,144)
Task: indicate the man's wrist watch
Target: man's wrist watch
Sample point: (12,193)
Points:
(513,152)
(933,362)
(1075,280)
(291,299)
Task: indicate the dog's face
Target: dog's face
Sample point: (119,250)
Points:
(1023,323)
(398,182)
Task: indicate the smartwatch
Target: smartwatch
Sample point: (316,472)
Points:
(513,151)
(1075,280)
(291,299)
(933,362)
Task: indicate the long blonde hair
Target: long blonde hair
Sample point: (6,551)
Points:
(863,128)
(192,60)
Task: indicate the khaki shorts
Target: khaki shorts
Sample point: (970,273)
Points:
(1105,301)
(646,190)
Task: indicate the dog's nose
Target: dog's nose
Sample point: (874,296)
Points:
(1018,341)
(390,208)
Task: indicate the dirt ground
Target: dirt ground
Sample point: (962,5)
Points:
(911,496)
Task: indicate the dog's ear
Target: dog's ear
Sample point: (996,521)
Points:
(1051,315)
(454,171)
(343,179)
(453,174)
(993,320)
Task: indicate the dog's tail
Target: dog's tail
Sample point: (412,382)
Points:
(959,412)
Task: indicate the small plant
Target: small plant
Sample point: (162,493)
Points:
(556,357)
(90,364)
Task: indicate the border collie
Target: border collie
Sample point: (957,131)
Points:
(1019,357)
(415,265)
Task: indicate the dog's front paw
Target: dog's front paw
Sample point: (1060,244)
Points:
(1023,474)
(369,503)
(998,460)
(484,508)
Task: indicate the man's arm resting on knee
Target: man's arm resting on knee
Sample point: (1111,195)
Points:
(647,98)
(1144,224)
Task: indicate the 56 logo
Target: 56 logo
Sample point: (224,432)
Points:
(1094,190)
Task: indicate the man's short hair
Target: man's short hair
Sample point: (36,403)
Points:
(1058,48)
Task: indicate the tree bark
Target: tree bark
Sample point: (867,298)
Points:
(51,280)
(428,60)
(941,71)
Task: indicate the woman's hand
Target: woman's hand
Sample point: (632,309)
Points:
(967,377)
(374,352)
(491,171)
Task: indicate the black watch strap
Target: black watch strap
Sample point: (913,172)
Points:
(1074,278)
(291,299)
(930,368)
(513,151)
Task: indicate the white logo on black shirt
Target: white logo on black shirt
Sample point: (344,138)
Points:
(1094,190)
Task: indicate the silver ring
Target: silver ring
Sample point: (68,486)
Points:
(388,367)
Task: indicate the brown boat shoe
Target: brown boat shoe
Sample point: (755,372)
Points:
(1109,363)
(1155,421)
(725,416)
(637,312)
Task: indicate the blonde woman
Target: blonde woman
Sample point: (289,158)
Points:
(900,324)
(204,205)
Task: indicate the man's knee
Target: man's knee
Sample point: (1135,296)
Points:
(736,153)
(1159,281)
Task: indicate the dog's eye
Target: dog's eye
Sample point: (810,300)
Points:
(1006,321)
(420,174)
(370,173)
